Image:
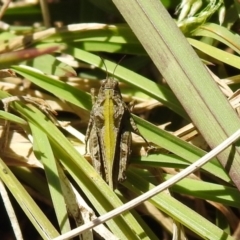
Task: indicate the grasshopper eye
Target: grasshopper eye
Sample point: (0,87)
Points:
(115,86)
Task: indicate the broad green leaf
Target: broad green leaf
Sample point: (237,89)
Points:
(186,75)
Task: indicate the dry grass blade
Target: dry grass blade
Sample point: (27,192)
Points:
(11,213)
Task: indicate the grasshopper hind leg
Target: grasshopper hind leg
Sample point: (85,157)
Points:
(125,150)
(96,151)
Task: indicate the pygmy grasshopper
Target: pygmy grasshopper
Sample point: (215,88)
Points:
(109,133)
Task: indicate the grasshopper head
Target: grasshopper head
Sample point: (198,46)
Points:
(110,83)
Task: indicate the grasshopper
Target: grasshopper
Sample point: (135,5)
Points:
(109,133)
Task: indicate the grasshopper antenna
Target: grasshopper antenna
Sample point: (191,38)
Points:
(118,64)
(105,66)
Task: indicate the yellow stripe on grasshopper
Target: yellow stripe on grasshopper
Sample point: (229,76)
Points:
(109,135)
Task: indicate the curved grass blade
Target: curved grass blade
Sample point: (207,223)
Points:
(216,53)
(219,33)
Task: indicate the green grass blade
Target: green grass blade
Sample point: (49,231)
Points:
(97,191)
(219,33)
(49,65)
(83,100)
(197,188)
(176,145)
(56,87)
(152,89)
(43,152)
(209,191)
(185,73)
(11,117)
(216,53)
(36,216)
(177,210)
